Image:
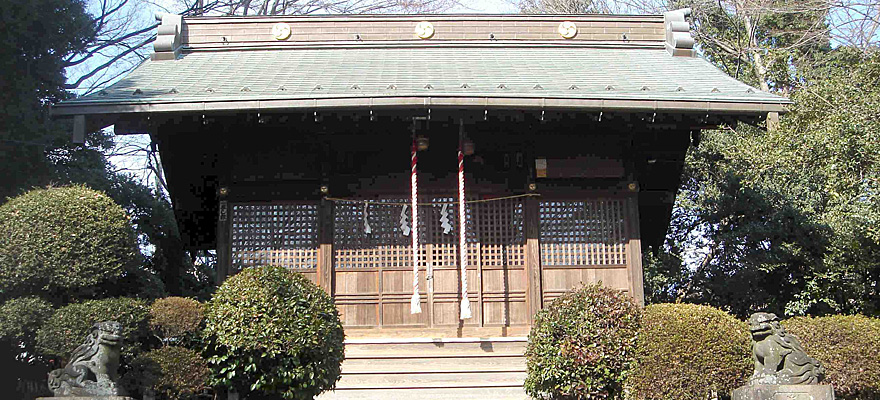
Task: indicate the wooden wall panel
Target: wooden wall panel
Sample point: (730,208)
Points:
(398,313)
(446,279)
(562,279)
(361,314)
(400,282)
(310,274)
(505,312)
(356,282)
(505,280)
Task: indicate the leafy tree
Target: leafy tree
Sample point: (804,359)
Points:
(766,43)
(785,220)
(62,243)
(829,147)
(38,34)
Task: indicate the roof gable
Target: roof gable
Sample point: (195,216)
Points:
(640,63)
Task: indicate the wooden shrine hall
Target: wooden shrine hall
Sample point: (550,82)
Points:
(342,147)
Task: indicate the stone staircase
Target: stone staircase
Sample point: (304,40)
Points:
(428,369)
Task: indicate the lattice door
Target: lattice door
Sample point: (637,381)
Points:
(582,233)
(285,235)
(381,260)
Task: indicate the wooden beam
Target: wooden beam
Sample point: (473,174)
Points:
(224,253)
(636,273)
(533,257)
(325,243)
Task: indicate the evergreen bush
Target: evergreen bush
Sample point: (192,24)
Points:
(70,324)
(175,317)
(582,345)
(20,319)
(687,351)
(848,346)
(171,373)
(61,242)
(273,332)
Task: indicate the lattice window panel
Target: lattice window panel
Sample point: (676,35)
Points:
(285,235)
(384,246)
(589,232)
(444,249)
(499,230)
(494,234)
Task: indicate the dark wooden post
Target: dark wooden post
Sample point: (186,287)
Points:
(325,246)
(224,253)
(533,256)
(636,274)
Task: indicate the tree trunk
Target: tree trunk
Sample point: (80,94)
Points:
(760,66)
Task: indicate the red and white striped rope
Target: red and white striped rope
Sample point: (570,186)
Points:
(415,302)
(462,237)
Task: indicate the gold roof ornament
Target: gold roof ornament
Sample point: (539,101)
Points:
(424,30)
(281,31)
(567,29)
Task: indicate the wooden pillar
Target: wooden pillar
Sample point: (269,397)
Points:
(325,246)
(533,256)
(636,273)
(224,252)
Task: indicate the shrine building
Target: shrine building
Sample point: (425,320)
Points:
(308,141)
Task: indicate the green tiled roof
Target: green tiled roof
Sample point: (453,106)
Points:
(558,73)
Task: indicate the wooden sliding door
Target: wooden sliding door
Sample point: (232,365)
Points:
(373,264)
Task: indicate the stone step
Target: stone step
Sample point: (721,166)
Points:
(429,368)
(427,347)
(500,393)
(506,363)
(470,379)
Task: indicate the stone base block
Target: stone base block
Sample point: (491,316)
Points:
(784,392)
(88,398)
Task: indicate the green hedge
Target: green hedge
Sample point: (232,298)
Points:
(686,351)
(582,345)
(171,373)
(272,331)
(70,324)
(849,349)
(62,241)
(21,318)
(175,317)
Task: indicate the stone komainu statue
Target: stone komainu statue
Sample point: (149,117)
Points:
(92,367)
(779,357)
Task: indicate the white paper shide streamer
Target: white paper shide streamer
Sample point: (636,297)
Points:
(444,219)
(404,221)
(367,228)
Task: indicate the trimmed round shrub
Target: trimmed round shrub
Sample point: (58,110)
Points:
(848,346)
(171,373)
(61,241)
(272,331)
(20,319)
(686,351)
(175,317)
(70,324)
(582,345)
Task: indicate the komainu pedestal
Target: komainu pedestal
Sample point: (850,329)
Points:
(784,392)
(87,398)
(783,370)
